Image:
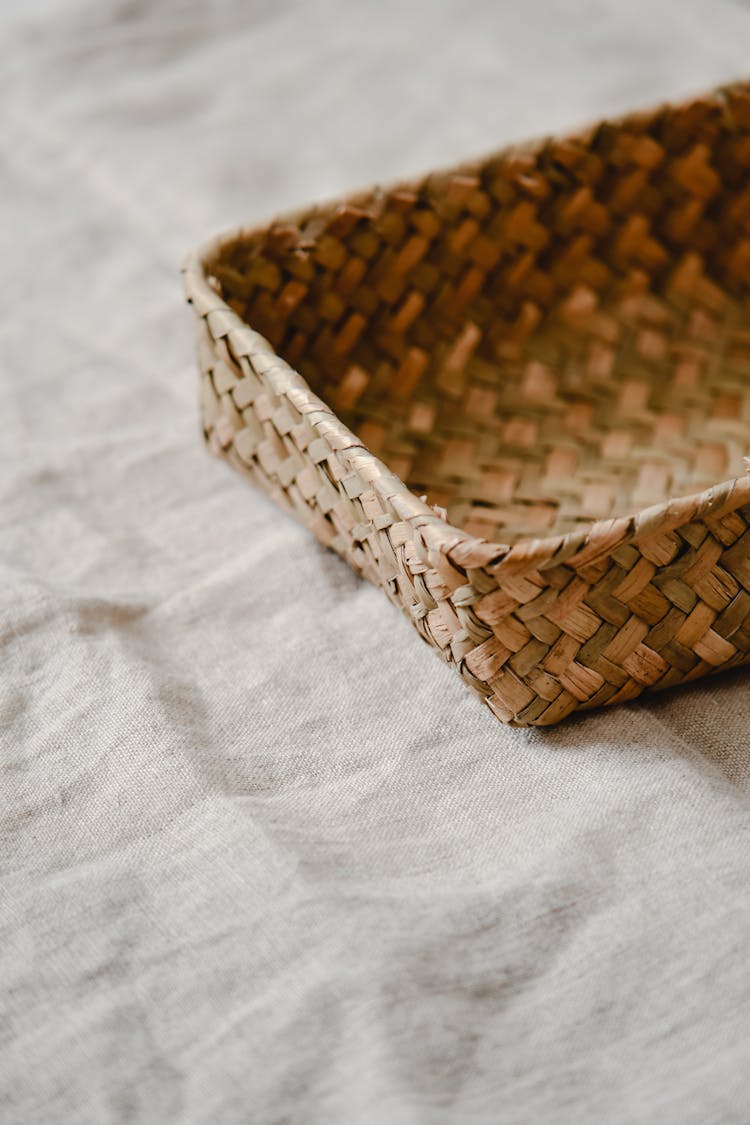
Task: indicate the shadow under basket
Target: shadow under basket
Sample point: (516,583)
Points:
(505,393)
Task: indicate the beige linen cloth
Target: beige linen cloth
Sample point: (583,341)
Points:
(264,858)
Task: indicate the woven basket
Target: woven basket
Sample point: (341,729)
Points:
(552,346)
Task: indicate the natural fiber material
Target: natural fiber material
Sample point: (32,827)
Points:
(552,344)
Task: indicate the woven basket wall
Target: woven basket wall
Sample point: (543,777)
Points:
(516,396)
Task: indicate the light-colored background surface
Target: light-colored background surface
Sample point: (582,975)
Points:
(264,859)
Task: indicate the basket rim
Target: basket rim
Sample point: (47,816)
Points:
(584,544)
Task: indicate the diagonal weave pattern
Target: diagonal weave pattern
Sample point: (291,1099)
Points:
(552,344)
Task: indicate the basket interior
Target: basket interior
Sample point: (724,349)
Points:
(555,334)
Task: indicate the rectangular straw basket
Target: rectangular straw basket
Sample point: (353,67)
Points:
(514,395)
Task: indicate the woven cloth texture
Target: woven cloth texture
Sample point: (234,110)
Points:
(264,858)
